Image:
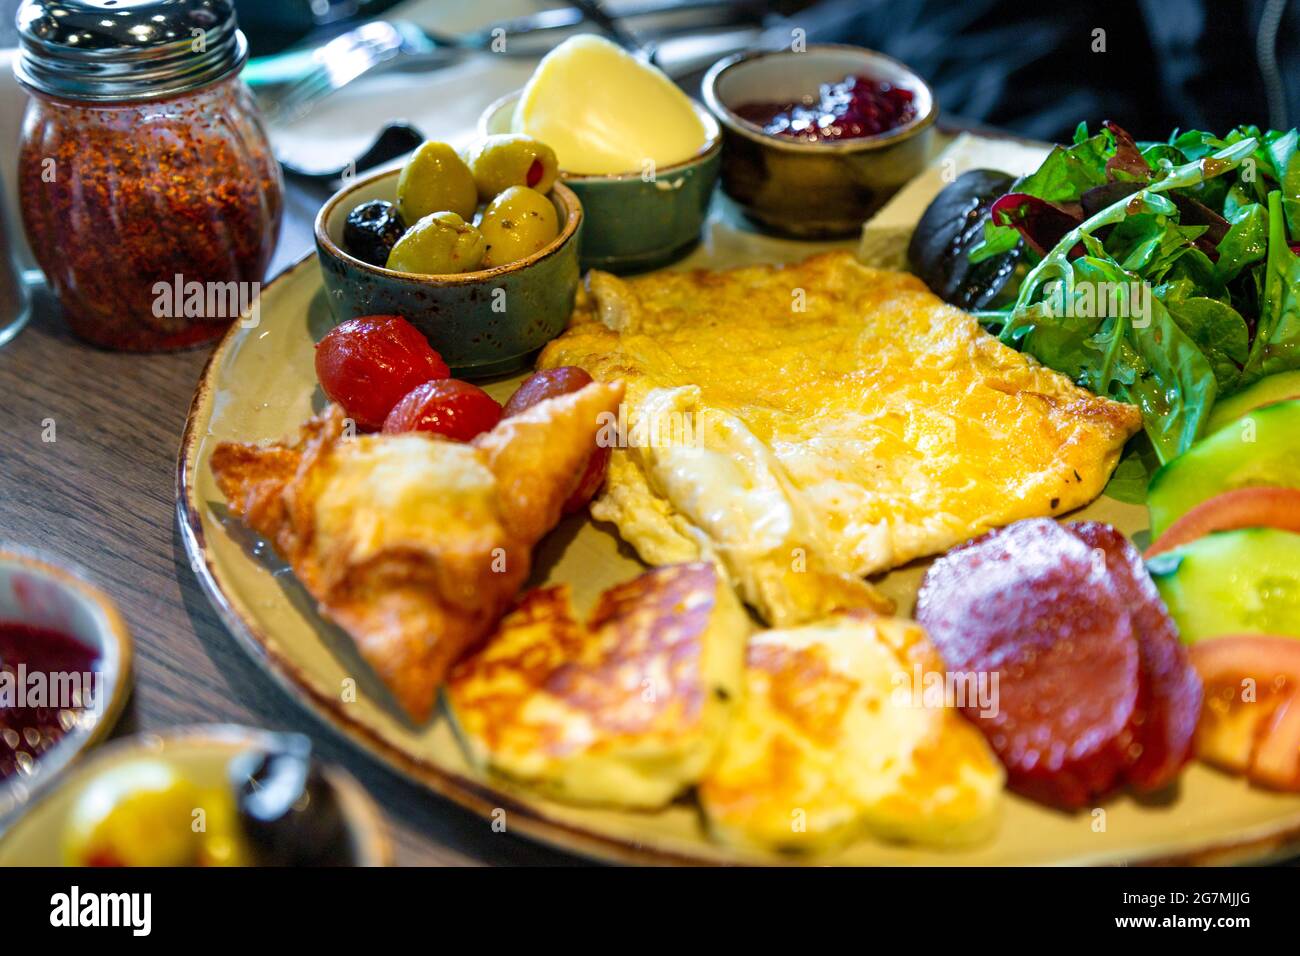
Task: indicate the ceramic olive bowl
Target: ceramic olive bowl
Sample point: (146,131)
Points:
(813,190)
(36,592)
(483,323)
(635,222)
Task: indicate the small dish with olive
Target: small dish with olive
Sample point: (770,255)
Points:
(477,249)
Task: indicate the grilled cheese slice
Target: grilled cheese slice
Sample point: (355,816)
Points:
(830,744)
(627,710)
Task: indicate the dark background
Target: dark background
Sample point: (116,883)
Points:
(1024,65)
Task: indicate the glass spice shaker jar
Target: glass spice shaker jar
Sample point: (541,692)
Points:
(147,187)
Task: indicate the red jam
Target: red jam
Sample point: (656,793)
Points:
(855,107)
(33,715)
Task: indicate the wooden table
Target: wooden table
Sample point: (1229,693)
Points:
(101,495)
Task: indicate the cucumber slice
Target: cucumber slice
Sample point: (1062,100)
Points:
(1261,449)
(1232,582)
(1267,391)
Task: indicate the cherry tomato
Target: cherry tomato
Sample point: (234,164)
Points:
(368,364)
(447,407)
(1250,721)
(543,385)
(1243,508)
(548,384)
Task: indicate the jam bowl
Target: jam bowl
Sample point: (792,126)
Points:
(65,665)
(876,135)
(634,223)
(483,323)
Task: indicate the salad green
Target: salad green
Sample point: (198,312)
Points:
(1160,274)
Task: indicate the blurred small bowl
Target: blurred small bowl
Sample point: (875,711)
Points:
(813,190)
(38,593)
(482,323)
(202,755)
(634,224)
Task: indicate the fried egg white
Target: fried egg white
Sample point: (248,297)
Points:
(830,745)
(843,421)
(627,710)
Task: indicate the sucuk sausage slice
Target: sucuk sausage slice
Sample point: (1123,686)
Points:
(1171,702)
(1030,603)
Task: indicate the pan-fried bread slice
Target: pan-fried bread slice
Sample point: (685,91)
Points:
(413,544)
(893,425)
(830,744)
(626,710)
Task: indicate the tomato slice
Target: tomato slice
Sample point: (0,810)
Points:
(1243,508)
(1277,761)
(1250,721)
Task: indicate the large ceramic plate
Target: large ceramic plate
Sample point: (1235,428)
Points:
(260,384)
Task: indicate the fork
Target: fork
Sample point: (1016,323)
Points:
(372,45)
(350,55)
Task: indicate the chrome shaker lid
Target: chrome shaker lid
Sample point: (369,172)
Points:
(105,50)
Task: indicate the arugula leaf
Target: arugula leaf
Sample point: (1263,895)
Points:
(1245,243)
(1138,351)
(1066,174)
(1132,476)
(1282,150)
(1219,332)
(1277,336)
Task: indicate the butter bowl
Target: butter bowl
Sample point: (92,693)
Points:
(813,190)
(483,323)
(62,617)
(635,221)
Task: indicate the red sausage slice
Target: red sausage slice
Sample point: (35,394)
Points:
(1031,603)
(1171,704)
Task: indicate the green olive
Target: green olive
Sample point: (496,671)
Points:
(442,243)
(516,224)
(509,159)
(435,179)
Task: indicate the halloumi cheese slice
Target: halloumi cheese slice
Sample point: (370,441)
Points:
(836,739)
(628,710)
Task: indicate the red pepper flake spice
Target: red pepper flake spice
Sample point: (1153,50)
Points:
(118,199)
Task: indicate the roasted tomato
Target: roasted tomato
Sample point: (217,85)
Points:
(1243,508)
(548,384)
(368,364)
(1250,721)
(447,407)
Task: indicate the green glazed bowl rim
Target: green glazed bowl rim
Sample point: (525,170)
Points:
(711,146)
(732,121)
(572,220)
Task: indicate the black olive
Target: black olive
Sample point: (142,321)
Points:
(952,226)
(372,229)
(287,809)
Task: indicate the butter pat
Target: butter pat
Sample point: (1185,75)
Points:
(603,111)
